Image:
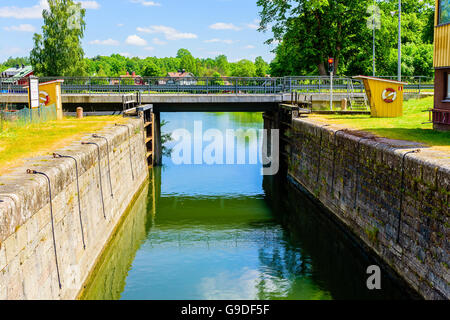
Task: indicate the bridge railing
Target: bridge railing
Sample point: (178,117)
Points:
(209,85)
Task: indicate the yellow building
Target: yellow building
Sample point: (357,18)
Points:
(385,96)
(441,111)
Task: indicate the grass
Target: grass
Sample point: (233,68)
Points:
(409,127)
(17,144)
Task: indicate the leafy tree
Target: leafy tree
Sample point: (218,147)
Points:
(261,66)
(188,63)
(244,68)
(57,51)
(151,70)
(222,65)
(182,53)
(309,31)
(217,79)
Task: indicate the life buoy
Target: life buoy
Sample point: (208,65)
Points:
(44,97)
(389,95)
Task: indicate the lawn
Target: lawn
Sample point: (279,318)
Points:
(410,127)
(16,144)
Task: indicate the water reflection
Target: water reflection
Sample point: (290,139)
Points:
(212,232)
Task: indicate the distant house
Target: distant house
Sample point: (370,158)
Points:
(17,75)
(133,79)
(137,79)
(181,77)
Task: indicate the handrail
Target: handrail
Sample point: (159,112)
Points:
(210,85)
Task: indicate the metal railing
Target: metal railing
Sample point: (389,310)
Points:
(10,118)
(210,85)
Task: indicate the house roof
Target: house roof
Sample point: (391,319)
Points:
(18,72)
(379,79)
(180,74)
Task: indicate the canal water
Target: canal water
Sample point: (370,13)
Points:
(227,232)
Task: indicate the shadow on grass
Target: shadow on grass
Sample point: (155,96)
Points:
(427,136)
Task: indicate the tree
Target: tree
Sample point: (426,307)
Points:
(222,65)
(182,53)
(318,29)
(151,70)
(57,51)
(261,66)
(244,68)
(188,63)
(310,31)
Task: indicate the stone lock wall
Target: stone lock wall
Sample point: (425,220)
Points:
(359,179)
(28,269)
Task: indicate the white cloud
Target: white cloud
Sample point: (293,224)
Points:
(169,33)
(35,12)
(149,48)
(107,42)
(89,4)
(216,40)
(125,54)
(12,51)
(21,28)
(135,40)
(147,3)
(253,25)
(120,24)
(224,26)
(249,47)
(159,42)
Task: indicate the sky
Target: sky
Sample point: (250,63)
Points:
(144,28)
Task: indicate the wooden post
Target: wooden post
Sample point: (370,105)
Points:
(157,152)
(79,113)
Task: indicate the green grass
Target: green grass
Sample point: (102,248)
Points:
(409,127)
(19,143)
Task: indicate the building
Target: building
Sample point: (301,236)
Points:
(441,111)
(17,75)
(133,79)
(181,77)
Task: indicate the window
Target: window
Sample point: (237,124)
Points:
(448,86)
(444,11)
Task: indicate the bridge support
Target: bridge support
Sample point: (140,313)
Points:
(152,132)
(157,151)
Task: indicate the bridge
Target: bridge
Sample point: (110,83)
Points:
(202,93)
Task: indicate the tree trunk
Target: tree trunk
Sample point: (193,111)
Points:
(322,70)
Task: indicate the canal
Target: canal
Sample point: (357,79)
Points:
(226,232)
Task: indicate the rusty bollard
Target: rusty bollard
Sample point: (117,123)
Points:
(79,113)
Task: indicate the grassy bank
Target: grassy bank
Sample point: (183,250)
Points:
(17,144)
(409,127)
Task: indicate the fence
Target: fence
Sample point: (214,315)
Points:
(18,118)
(211,85)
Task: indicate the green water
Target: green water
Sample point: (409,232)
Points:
(225,232)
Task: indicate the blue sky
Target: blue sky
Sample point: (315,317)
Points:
(147,28)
